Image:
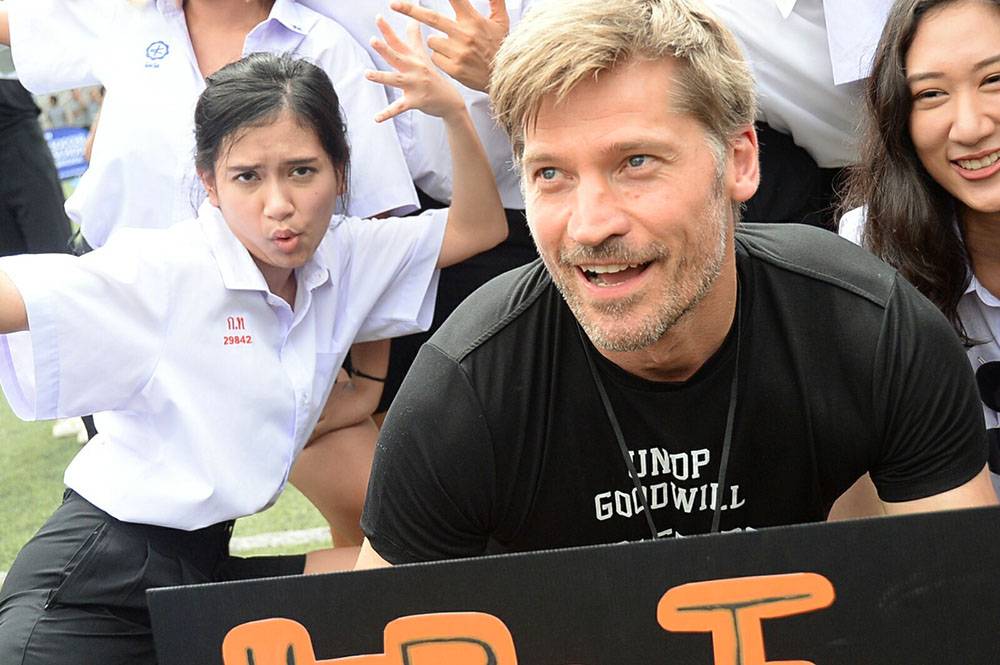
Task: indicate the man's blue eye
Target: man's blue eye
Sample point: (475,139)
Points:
(637,160)
(548,173)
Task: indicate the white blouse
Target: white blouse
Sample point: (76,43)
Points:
(205,385)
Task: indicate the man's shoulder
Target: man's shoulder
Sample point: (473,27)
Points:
(502,302)
(819,255)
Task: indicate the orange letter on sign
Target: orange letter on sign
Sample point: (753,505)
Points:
(732,611)
(268,642)
(458,638)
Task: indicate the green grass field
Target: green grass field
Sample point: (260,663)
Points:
(32,462)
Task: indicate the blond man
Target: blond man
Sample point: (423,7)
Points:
(660,372)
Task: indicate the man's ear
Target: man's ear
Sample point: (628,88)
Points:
(743,174)
(208,180)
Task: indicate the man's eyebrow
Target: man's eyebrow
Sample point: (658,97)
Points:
(637,146)
(536,157)
(924,76)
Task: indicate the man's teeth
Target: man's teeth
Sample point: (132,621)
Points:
(606,269)
(604,275)
(973,164)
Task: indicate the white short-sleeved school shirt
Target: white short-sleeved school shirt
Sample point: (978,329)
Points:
(142,168)
(204,384)
(422,136)
(794,55)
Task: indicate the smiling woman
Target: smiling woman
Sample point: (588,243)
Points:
(218,342)
(929,176)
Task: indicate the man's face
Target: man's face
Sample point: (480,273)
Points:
(629,204)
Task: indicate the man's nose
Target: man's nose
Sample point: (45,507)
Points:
(597,214)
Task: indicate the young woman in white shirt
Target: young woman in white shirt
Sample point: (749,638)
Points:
(153,56)
(218,340)
(929,176)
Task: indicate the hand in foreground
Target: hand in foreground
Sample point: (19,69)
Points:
(423,86)
(471,40)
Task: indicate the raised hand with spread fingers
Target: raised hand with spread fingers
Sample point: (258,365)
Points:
(476,219)
(423,86)
(470,40)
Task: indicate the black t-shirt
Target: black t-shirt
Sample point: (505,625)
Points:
(498,440)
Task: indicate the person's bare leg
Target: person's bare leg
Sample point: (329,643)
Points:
(332,472)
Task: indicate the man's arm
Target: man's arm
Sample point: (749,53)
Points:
(927,411)
(432,489)
(976,492)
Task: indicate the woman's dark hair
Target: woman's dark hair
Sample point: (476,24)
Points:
(911,220)
(253,91)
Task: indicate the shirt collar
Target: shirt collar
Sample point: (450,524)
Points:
(981,292)
(283,30)
(288,14)
(785,7)
(237,267)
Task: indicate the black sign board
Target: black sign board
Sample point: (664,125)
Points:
(914,589)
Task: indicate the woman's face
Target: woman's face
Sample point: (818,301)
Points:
(953,72)
(276,188)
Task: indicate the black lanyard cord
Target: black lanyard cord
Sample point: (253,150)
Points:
(618,434)
(726,441)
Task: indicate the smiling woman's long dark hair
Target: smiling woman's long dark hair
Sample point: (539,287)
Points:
(911,220)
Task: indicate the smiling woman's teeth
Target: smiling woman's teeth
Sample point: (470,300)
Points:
(973,164)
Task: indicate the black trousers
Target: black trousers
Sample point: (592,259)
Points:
(793,188)
(76,592)
(32,219)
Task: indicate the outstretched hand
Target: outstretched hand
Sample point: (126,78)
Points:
(423,86)
(466,52)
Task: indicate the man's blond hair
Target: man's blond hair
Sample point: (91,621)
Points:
(559,43)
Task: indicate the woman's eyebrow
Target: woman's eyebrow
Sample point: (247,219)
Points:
(923,76)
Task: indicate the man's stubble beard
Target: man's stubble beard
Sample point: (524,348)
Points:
(695,276)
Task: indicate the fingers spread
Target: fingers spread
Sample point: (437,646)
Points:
(426,16)
(392,110)
(464,8)
(498,12)
(395,79)
(443,46)
(391,38)
(413,37)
